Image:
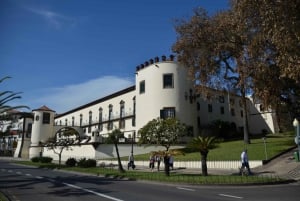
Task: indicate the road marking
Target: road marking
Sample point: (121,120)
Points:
(186,189)
(230,196)
(10,171)
(18,172)
(29,175)
(93,192)
(38,177)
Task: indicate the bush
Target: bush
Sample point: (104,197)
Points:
(46,159)
(35,159)
(85,163)
(71,162)
(42,159)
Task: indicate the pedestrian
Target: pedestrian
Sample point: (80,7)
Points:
(167,164)
(131,161)
(151,162)
(158,159)
(171,162)
(245,162)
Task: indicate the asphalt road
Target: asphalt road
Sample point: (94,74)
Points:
(23,183)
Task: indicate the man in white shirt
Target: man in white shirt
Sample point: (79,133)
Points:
(245,162)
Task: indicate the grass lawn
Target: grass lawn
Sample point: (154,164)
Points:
(231,150)
(225,151)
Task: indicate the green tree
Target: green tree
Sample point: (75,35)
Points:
(164,132)
(203,144)
(6,97)
(214,49)
(114,137)
(63,142)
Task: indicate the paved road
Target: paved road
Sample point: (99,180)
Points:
(33,184)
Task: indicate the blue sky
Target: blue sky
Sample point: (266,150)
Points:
(66,53)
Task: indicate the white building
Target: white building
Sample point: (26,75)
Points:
(162,89)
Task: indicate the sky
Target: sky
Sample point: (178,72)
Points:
(67,53)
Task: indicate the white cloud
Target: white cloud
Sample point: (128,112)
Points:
(55,19)
(71,96)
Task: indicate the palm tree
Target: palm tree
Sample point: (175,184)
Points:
(114,137)
(7,96)
(203,144)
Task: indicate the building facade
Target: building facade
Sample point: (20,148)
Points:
(162,89)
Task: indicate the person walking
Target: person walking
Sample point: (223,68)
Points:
(171,162)
(245,162)
(151,162)
(158,160)
(131,162)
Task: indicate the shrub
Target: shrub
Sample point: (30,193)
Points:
(91,163)
(71,162)
(81,162)
(35,159)
(43,159)
(85,163)
(46,159)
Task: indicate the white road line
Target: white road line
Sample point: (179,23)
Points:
(93,192)
(230,196)
(38,177)
(29,175)
(18,172)
(10,171)
(186,189)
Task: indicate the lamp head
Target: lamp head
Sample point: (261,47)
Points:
(295,122)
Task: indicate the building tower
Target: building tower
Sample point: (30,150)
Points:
(42,129)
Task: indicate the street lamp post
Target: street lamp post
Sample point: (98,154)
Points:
(265,145)
(297,138)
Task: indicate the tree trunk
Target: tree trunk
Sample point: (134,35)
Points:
(22,140)
(121,169)
(167,165)
(245,119)
(203,163)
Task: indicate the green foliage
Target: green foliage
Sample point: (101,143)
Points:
(8,96)
(71,162)
(43,159)
(164,132)
(203,144)
(35,159)
(87,163)
(114,136)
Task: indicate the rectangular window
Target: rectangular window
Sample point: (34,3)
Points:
(122,123)
(168,81)
(167,113)
(232,111)
(221,99)
(222,110)
(210,108)
(46,118)
(142,87)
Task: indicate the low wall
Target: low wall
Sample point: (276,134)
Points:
(190,164)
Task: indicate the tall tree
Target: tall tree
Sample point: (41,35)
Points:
(114,137)
(203,145)
(8,96)
(274,49)
(214,49)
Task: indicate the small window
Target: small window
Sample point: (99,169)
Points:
(168,81)
(221,99)
(210,109)
(242,113)
(198,106)
(142,87)
(167,113)
(222,110)
(232,111)
(46,118)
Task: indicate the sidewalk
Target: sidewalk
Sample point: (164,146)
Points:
(283,166)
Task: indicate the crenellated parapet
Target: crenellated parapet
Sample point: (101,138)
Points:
(154,60)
